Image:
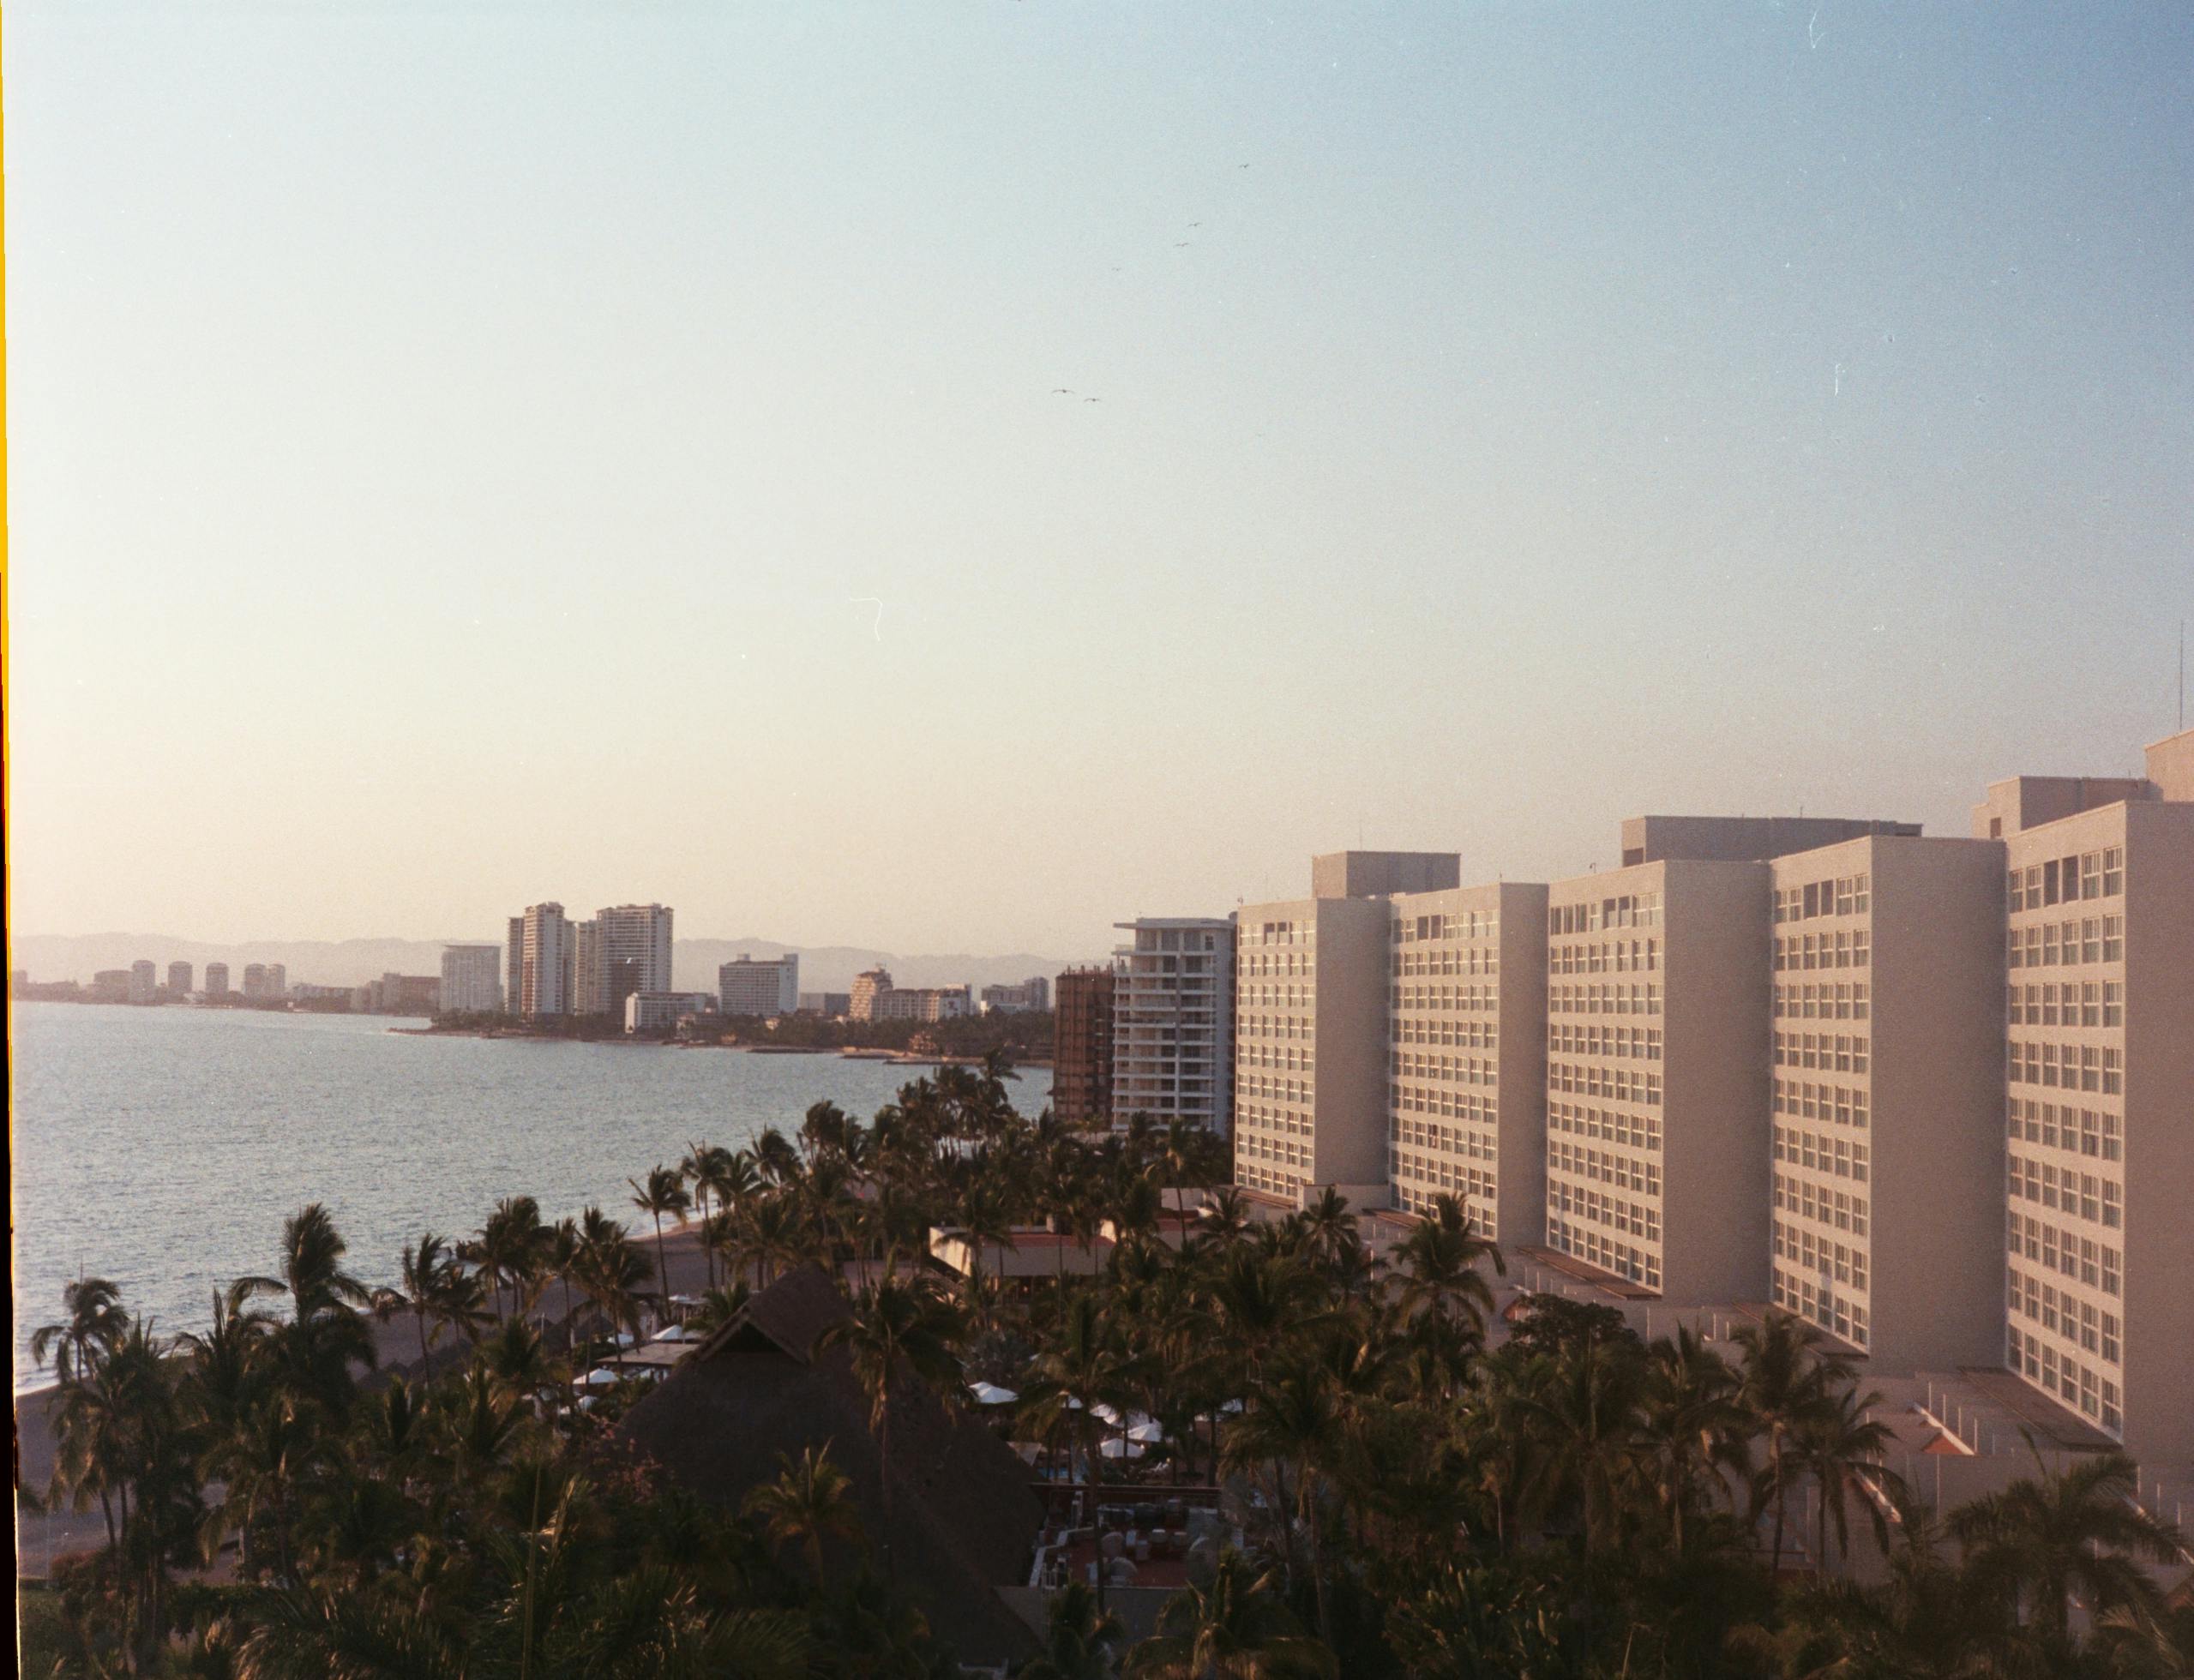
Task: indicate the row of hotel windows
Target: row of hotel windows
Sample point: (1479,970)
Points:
(1640,1132)
(1273,1090)
(1605,1167)
(1279,934)
(1273,1119)
(1641,1042)
(2082,1129)
(1824,950)
(1467,1035)
(2087,1005)
(2098,1265)
(1446,1139)
(1417,1200)
(1267,1149)
(1447,999)
(1605,999)
(1455,925)
(2060,880)
(2084,1067)
(2080,1384)
(1845,1157)
(1603,1252)
(1269,994)
(1806,1199)
(2074,1320)
(1638,910)
(1472,960)
(1455,1070)
(1269,964)
(2047,944)
(1296,1059)
(2080,1193)
(1449,1105)
(1617,1084)
(1846,1000)
(1840,1261)
(1470,1181)
(1831,1052)
(1275,1026)
(1846,895)
(1820,1304)
(1615,1212)
(1802,1100)
(1263,1178)
(1624,956)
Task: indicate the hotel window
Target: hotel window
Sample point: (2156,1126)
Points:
(2091,875)
(2113,939)
(2015,890)
(2113,871)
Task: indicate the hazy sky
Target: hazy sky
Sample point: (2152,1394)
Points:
(458,452)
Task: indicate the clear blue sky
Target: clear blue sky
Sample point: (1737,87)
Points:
(454,450)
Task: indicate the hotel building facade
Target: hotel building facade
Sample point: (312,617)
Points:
(1466,1107)
(1310,1048)
(2098,1115)
(1886,1089)
(768,987)
(471,982)
(1172,1007)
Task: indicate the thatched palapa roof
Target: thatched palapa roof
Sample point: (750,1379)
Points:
(964,1518)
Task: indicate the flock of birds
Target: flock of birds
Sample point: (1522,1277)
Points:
(1179,245)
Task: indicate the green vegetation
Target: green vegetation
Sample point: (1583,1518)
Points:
(1573,1503)
(1022,1035)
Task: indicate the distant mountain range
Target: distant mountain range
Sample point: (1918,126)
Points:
(54,957)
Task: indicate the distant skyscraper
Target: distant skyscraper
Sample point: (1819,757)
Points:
(513,973)
(254,980)
(470,982)
(770,986)
(868,986)
(217,979)
(825,1003)
(590,969)
(1173,1022)
(179,980)
(1081,1062)
(144,983)
(635,952)
(546,961)
(277,981)
(1031,996)
(110,986)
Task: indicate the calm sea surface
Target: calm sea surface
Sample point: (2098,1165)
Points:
(163,1148)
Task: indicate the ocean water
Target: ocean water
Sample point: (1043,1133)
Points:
(163,1148)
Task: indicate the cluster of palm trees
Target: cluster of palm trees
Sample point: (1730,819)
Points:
(1422,1490)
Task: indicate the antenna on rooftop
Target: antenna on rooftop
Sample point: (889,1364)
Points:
(2182,674)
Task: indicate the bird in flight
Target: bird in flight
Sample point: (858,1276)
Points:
(1092,400)
(1060,391)
(1182,244)
(1195,224)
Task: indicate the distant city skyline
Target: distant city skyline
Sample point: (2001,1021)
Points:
(460,459)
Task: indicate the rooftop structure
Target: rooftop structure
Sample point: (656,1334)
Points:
(1376,874)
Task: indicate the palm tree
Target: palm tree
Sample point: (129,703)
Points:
(1693,1421)
(425,1271)
(810,1501)
(1583,1412)
(1440,1265)
(325,1335)
(1085,1365)
(899,1332)
(613,1274)
(1234,1627)
(1783,1374)
(663,1193)
(95,1324)
(1841,1447)
(1294,1418)
(509,1249)
(1079,1637)
(2066,1534)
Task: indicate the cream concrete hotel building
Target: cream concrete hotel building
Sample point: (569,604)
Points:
(1934,1094)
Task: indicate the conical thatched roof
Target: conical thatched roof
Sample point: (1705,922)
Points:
(964,1518)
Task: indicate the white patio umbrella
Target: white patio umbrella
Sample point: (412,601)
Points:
(1104,1414)
(1148,1433)
(1113,1447)
(989,1394)
(600,1377)
(679,1332)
